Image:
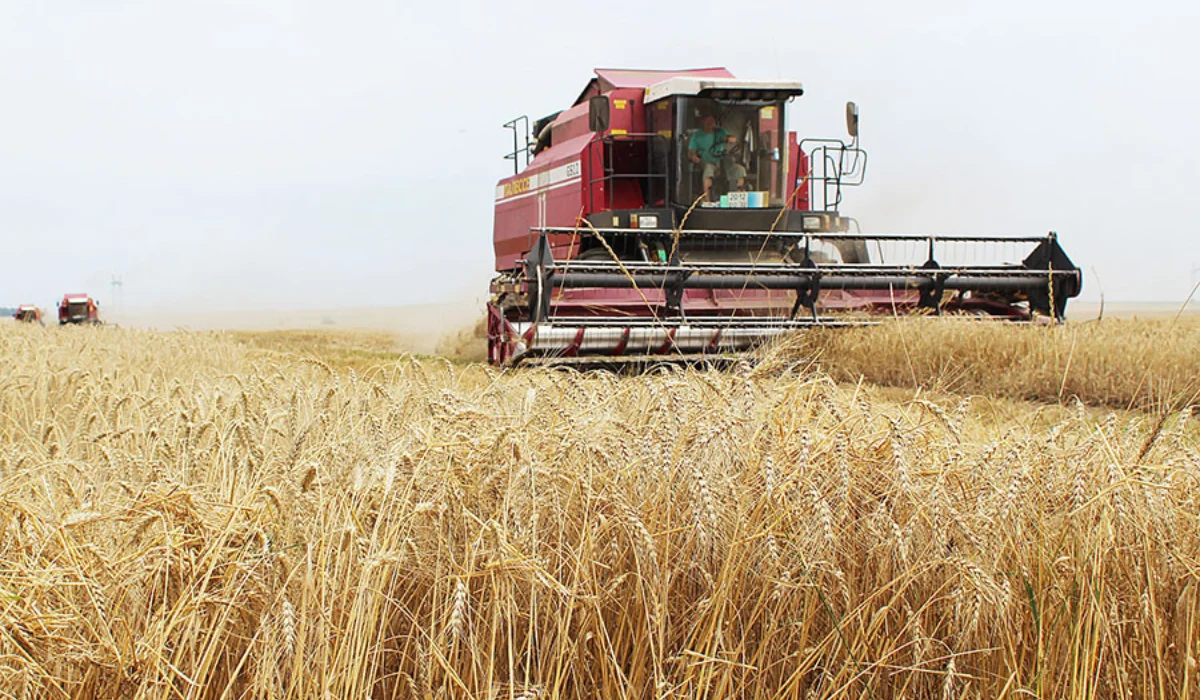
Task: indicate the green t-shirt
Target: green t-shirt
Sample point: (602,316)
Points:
(711,146)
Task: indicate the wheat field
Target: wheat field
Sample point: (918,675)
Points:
(200,516)
(1122,363)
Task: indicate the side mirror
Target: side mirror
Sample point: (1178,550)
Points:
(598,114)
(852,119)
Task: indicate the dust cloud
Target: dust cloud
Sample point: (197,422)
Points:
(453,329)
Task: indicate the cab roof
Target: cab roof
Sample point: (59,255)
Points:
(616,78)
(723,88)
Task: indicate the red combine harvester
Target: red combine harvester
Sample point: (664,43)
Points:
(78,308)
(671,212)
(28,313)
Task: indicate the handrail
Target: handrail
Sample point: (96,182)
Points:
(836,173)
(607,173)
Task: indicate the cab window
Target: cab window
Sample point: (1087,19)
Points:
(737,143)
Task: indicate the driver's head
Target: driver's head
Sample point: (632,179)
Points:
(708,122)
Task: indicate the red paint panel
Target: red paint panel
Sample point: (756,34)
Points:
(625,111)
(797,171)
(572,123)
(524,201)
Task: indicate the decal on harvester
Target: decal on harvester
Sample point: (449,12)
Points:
(529,185)
(516,187)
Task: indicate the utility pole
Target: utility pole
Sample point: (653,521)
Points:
(117,286)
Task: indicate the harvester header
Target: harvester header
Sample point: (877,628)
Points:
(671,212)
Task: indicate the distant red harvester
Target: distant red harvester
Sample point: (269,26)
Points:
(28,313)
(672,212)
(78,308)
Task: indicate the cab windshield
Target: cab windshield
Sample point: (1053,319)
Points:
(733,150)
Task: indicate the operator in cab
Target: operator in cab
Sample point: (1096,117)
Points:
(713,148)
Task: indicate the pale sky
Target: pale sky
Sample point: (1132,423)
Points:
(271,154)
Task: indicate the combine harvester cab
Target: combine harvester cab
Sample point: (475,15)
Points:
(78,309)
(28,313)
(670,212)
